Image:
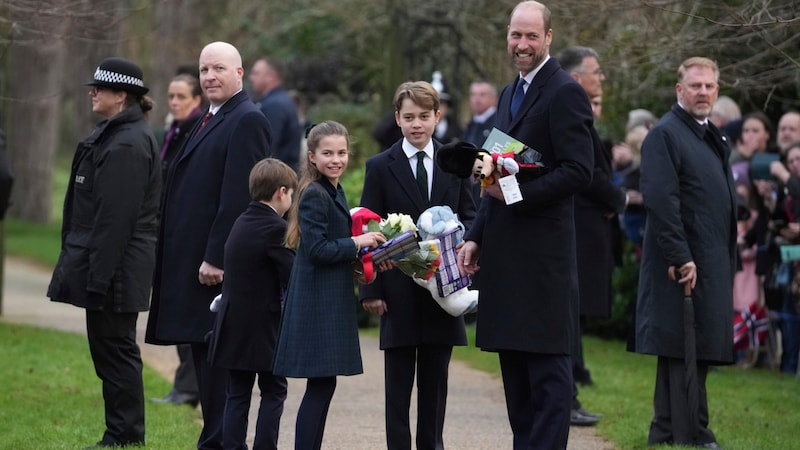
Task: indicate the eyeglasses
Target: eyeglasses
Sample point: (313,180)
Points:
(95,89)
(596,72)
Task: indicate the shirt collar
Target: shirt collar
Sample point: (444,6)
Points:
(215,109)
(481,118)
(411,151)
(532,74)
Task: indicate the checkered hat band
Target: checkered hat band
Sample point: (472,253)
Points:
(114,77)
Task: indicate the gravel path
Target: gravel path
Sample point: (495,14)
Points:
(476,416)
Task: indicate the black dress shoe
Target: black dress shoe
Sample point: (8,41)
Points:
(579,420)
(178,398)
(588,414)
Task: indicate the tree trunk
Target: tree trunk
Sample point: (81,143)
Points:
(176,45)
(34,96)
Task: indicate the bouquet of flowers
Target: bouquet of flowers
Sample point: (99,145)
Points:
(401,237)
(414,258)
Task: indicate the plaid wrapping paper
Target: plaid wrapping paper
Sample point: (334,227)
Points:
(448,279)
(395,248)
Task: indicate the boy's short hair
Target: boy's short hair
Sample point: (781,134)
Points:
(267,176)
(422,93)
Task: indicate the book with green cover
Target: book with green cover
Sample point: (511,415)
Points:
(500,142)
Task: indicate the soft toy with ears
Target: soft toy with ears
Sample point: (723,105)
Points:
(464,160)
(447,287)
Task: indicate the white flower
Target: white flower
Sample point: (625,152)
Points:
(406,224)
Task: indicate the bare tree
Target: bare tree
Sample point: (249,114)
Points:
(33,102)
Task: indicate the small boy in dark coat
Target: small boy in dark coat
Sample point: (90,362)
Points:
(257,267)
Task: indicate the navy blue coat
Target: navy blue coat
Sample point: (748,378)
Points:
(257,268)
(528,277)
(688,190)
(476,133)
(319,328)
(596,209)
(206,190)
(413,317)
(281,112)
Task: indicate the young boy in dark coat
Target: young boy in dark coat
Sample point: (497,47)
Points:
(257,267)
(417,336)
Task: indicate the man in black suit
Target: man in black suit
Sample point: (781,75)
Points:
(483,104)
(528,282)
(417,336)
(266,79)
(206,190)
(596,223)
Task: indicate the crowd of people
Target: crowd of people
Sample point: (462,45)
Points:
(250,266)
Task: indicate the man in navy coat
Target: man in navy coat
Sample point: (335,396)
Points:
(528,282)
(690,197)
(206,190)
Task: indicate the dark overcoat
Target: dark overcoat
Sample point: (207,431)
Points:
(528,281)
(413,317)
(596,209)
(476,133)
(206,190)
(319,327)
(689,194)
(281,112)
(178,139)
(110,220)
(257,268)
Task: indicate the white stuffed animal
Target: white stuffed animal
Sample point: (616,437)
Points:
(435,222)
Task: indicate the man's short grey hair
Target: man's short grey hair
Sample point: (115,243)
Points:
(726,108)
(571,58)
(640,117)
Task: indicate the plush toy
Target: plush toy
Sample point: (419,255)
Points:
(435,221)
(464,160)
(447,287)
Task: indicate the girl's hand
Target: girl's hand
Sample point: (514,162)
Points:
(370,240)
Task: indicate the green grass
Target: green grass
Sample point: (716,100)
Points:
(50,397)
(748,409)
(37,242)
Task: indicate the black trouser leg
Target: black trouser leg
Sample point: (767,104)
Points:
(118,363)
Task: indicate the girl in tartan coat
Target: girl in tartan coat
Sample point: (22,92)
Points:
(318,339)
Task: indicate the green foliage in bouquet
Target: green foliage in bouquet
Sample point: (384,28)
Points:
(393,225)
(422,263)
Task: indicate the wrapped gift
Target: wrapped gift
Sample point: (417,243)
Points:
(448,279)
(395,248)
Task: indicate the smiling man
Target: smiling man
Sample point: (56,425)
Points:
(529,296)
(206,190)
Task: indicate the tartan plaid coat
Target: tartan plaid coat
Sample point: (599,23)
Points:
(319,327)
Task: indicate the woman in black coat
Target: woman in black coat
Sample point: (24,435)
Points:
(108,241)
(185,99)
